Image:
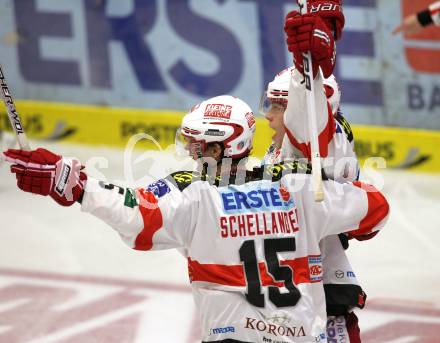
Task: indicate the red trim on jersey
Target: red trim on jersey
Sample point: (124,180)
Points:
(152,218)
(233,275)
(434,11)
(324,138)
(378,209)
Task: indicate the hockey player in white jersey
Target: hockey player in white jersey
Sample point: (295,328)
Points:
(285,101)
(342,290)
(273,104)
(252,237)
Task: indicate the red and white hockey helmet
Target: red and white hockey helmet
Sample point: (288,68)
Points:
(223,119)
(278,91)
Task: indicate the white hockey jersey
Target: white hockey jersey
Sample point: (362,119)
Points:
(253,248)
(434,10)
(339,159)
(340,163)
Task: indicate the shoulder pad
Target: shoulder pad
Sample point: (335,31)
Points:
(345,126)
(183,179)
(275,172)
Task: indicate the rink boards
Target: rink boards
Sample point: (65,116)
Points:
(93,125)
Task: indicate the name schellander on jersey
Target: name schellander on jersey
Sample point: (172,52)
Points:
(253,211)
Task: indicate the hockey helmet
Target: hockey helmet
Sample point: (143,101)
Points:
(277,92)
(224,119)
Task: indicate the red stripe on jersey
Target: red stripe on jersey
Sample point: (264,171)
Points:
(378,209)
(300,267)
(152,218)
(233,275)
(230,275)
(279,93)
(324,138)
(435,11)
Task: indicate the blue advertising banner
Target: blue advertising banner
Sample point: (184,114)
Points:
(171,54)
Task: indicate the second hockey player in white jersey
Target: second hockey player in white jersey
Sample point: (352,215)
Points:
(252,237)
(342,289)
(286,98)
(336,136)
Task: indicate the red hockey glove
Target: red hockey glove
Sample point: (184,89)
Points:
(309,33)
(42,172)
(331,12)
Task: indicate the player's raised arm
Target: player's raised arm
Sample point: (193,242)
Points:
(295,118)
(331,12)
(314,32)
(415,22)
(434,13)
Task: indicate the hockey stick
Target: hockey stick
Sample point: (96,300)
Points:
(13,114)
(317,184)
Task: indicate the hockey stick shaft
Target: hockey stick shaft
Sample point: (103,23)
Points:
(13,114)
(317,183)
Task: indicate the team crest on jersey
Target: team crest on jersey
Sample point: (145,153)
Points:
(220,111)
(285,195)
(315,268)
(158,188)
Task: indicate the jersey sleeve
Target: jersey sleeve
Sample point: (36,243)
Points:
(154,218)
(434,10)
(355,208)
(296,121)
(431,15)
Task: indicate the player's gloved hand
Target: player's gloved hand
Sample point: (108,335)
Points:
(43,172)
(330,11)
(309,33)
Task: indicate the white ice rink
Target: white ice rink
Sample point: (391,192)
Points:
(66,277)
